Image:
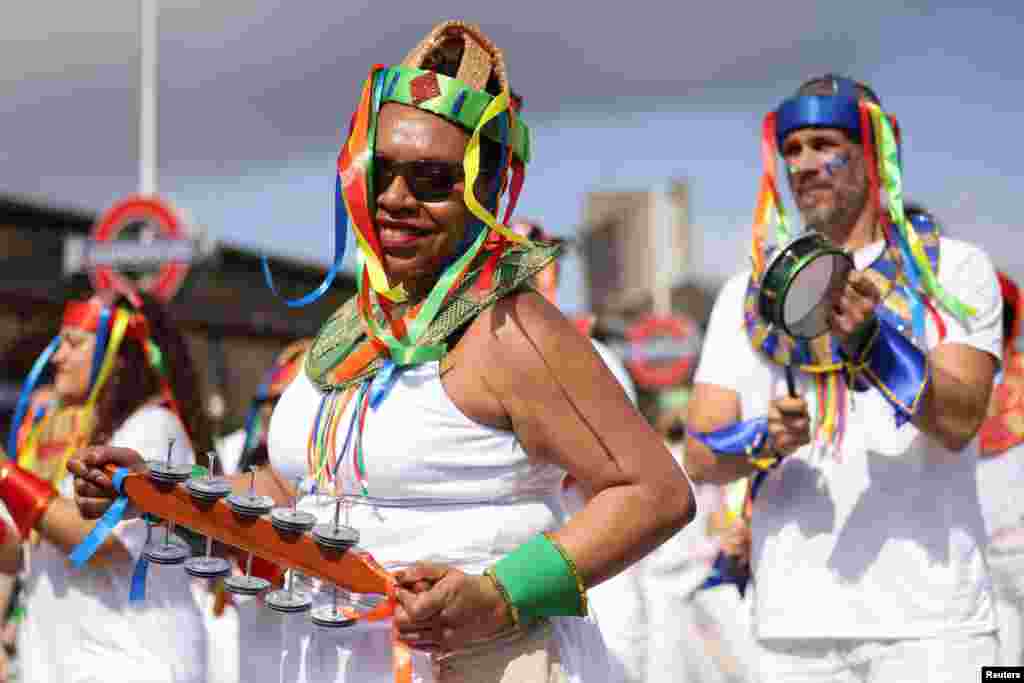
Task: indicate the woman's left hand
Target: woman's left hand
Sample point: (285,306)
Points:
(442,608)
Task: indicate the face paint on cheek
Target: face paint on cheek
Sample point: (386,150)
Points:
(836,163)
(830,166)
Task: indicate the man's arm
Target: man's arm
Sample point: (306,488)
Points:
(962,366)
(956,401)
(712,407)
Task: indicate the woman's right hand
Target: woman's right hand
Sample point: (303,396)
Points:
(94,491)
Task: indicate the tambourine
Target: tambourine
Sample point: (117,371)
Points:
(797,283)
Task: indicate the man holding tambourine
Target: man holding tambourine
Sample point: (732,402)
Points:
(852,400)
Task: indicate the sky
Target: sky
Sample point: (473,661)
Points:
(254,97)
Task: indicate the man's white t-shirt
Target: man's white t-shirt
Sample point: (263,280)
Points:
(80,626)
(886,541)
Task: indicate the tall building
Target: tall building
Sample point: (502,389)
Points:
(637,249)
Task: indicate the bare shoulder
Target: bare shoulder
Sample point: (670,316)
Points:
(526,333)
(477,371)
(538,365)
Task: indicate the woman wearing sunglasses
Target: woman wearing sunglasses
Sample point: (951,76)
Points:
(449,399)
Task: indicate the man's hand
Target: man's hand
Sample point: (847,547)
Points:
(852,318)
(94,491)
(789,426)
(736,545)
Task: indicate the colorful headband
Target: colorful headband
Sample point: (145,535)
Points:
(462,100)
(93,315)
(111,325)
(879,136)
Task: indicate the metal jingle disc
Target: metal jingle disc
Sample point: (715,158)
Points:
(165,481)
(246,585)
(207,567)
(204,499)
(287,602)
(167,553)
(209,489)
(333,547)
(162,472)
(292,521)
(329,616)
(250,506)
(339,537)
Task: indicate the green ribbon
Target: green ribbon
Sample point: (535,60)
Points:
(456,102)
(406,351)
(892,179)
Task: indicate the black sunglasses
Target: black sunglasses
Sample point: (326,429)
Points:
(427,180)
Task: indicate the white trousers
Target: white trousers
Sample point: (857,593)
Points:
(949,659)
(1006,567)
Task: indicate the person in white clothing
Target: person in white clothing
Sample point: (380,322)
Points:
(867,537)
(448,400)
(1001,478)
(247,447)
(118,369)
(697,633)
(242,631)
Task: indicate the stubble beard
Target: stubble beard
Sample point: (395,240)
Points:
(837,220)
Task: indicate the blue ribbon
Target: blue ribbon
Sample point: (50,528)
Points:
(340,232)
(817,111)
(384,381)
(138,589)
(741,438)
(899,370)
(351,429)
(26,394)
(84,551)
(722,574)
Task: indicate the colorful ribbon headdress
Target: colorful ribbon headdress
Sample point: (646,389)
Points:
(879,135)
(464,100)
(111,325)
(851,107)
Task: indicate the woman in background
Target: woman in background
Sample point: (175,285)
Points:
(123,377)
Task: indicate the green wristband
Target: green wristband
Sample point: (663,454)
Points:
(540,582)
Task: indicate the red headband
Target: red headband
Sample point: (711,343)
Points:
(85,315)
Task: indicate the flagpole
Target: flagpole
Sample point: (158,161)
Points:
(148,86)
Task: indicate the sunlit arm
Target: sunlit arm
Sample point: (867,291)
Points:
(712,407)
(566,408)
(63,526)
(956,401)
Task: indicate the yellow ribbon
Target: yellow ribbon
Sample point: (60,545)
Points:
(28,461)
(471,165)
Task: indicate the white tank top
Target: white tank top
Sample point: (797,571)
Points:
(442,487)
